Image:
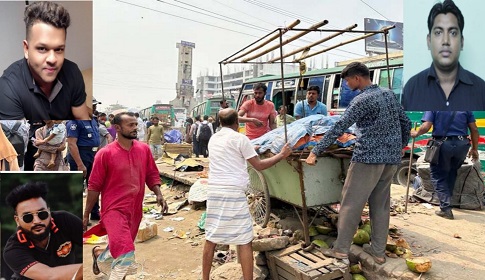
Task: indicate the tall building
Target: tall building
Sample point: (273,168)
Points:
(184,85)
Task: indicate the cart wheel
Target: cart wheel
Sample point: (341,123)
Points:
(258,197)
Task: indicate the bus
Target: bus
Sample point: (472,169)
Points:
(210,107)
(180,116)
(336,95)
(164,112)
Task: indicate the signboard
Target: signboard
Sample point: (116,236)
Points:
(288,83)
(186,82)
(376,43)
(187,44)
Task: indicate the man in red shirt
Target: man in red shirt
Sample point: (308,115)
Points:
(258,114)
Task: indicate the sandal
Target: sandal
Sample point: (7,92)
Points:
(332,254)
(95,261)
(379,260)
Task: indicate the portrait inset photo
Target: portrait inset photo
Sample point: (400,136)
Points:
(41,228)
(442,57)
(46,62)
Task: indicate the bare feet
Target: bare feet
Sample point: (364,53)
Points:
(51,165)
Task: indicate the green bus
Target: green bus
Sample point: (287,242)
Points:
(164,112)
(210,107)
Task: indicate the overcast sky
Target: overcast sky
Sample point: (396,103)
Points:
(135,54)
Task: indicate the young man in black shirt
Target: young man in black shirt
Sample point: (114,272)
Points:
(43,85)
(43,245)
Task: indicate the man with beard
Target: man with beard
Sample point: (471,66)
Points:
(42,247)
(258,114)
(120,172)
(312,106)
(445,85)
(43,85)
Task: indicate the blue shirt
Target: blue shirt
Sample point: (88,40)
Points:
(423,92)
(86,132)
(320,108)
(383,129)
(441,119)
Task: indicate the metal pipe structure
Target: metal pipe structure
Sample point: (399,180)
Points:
(283,85)
(370,33)
(387,61)
(289,40)
(275,36)
(222,81)
(314,44)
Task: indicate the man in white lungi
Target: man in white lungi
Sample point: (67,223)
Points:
(228,220)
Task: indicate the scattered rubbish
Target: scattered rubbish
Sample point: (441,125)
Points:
(180,234)
(427,205)
(159,216)
(456,235)
(185,209)
(201,223)
(168,229)
(94,239)
(177,219)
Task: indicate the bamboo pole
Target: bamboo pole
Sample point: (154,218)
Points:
(291,39)
(314,44)
(346,42)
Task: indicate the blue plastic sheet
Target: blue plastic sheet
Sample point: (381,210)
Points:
(173,136)
(311,125)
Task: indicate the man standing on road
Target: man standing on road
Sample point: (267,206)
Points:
(204,133)
(258,114)
(155,136)
(83,143)
(445,85)
(451,128)
(384,132)
(120,173)
(141,128)
(312,106)
(228,219)
(44,85)
(43,246)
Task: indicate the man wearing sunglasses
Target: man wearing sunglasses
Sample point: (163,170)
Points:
(42,246)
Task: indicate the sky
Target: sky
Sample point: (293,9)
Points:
(135,58)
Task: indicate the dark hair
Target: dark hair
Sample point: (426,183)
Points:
(137,115)
(281,107)
(118,117)
(189,120)
(47,12)
(102,115)
(355,69)
(229,119)
(25,192)
(260,86)
(197,118)
(448,6)
(206,117)
(222,101)
(111,115)
(315,88)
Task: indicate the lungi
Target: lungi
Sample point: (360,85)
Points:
(228,220)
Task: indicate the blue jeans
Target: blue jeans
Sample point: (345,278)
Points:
(156,150)
(443,174)
(196,147)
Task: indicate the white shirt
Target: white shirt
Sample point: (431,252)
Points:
(228,152)
(140,128)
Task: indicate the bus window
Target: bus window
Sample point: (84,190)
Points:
(346,95)
(397,82)
(319,81)
(383,79)
(278,101)
(248,87)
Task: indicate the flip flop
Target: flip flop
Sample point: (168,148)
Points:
(95,261)
(368,250)
(332,254)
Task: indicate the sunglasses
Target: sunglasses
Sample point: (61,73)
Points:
(29,217)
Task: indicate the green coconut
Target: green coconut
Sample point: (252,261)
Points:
(407,254)
(399,251)
(358,277)
(361,237)
(323,229)
(418,265)
(356,268)
(320,243)
(367,228)
(312,231)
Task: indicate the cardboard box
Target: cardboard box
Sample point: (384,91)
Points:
(185,149)
(294,263)
(146,231)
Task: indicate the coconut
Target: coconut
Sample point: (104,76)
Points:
(298,235)
(419,265)
(323,229)
(361,237)
(367,228)
(402,243)
(356,268)
(407,254)
(358,277)
(312,231)
(320,243)
(399,251)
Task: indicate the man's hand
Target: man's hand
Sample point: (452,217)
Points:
(38,142)
(161,202)
(62,147)
(82,168)
(311,159)
(414,133)
(286,150)
(85,222)
(474,155)
(257,122)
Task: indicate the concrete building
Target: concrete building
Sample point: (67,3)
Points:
(184,85)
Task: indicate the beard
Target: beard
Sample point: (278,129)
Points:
(129,135)
(37,236)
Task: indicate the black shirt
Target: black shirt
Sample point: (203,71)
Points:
(20,254)
(423,92)
(21,98)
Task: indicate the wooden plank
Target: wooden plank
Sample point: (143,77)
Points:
(272,266)
(283,274)
(309,256)
(323,270)
(286,251)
